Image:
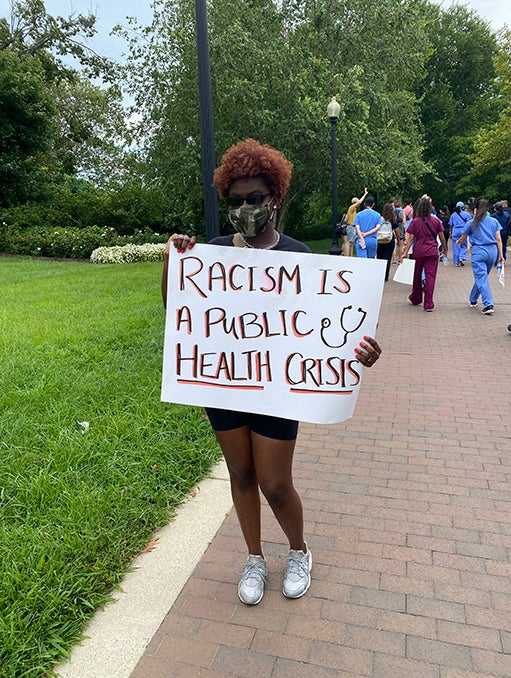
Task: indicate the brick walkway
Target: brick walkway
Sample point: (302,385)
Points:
(407,513)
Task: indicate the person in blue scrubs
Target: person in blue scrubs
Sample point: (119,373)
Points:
(367,224)
(459,219)
(504,220)
(486,243)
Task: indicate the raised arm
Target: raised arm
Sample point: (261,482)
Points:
(361,200)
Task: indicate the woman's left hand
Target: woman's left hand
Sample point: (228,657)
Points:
(369,351)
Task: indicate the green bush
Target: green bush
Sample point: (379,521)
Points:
(70,202)
(73,243)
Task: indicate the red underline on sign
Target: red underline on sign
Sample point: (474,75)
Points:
(208,383)
(315,390)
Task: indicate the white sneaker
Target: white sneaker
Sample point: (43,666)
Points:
(251,586)
(298,578)
(508,329)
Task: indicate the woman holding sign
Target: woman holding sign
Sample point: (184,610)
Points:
(258,449)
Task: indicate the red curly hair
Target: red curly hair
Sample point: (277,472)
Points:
(248,159)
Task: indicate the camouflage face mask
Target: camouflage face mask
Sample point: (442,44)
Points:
(250,220)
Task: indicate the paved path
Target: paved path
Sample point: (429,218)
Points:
(407,513)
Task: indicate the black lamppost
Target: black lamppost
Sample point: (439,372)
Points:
(206,121)
(333,111)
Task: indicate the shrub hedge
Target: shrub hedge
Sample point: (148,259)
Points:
(73,243)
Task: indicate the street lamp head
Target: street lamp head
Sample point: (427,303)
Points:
(333,110)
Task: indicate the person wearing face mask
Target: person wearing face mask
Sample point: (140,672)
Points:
(253,179)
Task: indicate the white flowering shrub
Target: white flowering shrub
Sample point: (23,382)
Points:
(123,254)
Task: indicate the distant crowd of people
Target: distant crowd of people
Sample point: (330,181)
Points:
(420,231)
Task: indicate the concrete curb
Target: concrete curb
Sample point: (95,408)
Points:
(116,637)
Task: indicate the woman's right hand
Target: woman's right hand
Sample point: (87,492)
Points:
(181,242)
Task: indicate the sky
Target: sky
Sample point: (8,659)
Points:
(111,12)
(108,13)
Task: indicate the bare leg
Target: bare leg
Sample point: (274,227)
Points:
(237,449)
(274,461)
(257,461)
(396,257)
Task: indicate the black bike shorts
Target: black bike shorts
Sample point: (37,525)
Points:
(271,427)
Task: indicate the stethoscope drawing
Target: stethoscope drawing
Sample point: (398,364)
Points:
(326,322)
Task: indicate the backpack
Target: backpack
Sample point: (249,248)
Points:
(384,234)
(398,211)
(341,227)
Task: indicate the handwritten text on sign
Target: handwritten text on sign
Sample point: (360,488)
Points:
(267,331)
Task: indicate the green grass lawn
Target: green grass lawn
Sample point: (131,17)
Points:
(81,343)
(320,246)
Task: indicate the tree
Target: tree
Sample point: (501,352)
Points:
(34,32)
(26,112)
(457,94)
(89,134)
(275,66)
(492,147)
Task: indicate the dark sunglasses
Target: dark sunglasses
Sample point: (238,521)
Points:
(234,201)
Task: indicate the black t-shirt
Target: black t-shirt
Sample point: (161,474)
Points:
(285,243)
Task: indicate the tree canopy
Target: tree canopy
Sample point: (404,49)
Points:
(457,95)
(33,32)
(26,112)
(415,82)
(492,147)
(274,68)
(423,91)
(54,120)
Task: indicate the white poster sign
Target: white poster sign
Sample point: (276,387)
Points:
(501,273)
(404,272)
(267,331)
